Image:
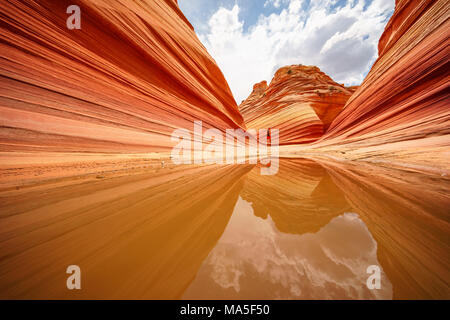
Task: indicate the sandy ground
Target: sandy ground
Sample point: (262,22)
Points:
(416,155)
(18,170)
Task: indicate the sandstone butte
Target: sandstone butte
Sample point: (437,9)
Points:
(134,73)
(300,101)
(401,111)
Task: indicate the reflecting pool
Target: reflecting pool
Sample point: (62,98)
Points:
(227,232)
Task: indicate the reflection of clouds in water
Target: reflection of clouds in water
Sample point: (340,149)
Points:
(254,260)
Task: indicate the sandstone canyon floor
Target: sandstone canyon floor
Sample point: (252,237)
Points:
(87,177)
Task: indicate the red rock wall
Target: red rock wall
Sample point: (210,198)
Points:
(405,96)
(133,73)
(301,101)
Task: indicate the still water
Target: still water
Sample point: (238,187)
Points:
(226,232)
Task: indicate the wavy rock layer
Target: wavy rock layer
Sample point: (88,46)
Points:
(301,101)
(135,72)
(402,107)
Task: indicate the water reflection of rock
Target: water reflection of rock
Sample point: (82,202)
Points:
(408,215)
(300,198)
(253,260)
(308,232)
(305,246)
(139,236)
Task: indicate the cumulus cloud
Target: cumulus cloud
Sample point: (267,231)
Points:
(340,37)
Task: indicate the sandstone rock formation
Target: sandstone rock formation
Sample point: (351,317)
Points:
(133,73)
(401,110)
(301,101)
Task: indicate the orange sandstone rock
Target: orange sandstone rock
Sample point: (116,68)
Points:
(135,72)
(301,101)
(403,104)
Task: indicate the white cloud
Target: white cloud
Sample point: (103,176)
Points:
(342,41)
(275,3)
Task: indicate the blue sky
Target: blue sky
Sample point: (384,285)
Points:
(251,39)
